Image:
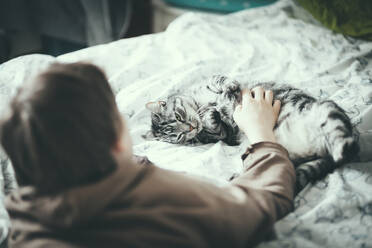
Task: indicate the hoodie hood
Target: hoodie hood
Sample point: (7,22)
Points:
(76,205)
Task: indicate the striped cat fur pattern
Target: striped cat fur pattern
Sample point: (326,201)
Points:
(317,134)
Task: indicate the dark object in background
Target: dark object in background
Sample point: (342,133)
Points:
(220,6)
(4,49)
(141,21)
(353,18)
(57,27)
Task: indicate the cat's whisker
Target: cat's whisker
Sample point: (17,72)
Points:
(201,111)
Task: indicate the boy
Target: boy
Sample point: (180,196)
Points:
(80,187)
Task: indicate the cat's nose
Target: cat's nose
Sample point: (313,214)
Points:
(192,127)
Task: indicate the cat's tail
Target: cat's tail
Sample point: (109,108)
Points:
(341,137)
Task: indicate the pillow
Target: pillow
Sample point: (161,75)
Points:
(353,18)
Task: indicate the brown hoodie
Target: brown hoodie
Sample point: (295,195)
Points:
(146,206)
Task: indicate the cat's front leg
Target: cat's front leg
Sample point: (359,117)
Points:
(224,86)
(213,130)
(216,127)
(211,120)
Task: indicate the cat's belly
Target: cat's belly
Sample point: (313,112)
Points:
(299,136)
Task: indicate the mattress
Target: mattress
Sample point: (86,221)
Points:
(280,43)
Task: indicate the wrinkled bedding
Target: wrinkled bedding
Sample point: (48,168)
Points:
(279,43)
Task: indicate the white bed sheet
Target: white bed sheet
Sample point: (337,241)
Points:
(276,43)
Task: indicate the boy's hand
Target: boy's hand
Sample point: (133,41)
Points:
(256,116)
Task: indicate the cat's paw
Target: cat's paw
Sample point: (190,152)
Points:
(212,120)
(345,150)
(231,86)
(215,84)
(231,90)
(223,85)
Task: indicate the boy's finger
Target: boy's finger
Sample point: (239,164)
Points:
(276,107)
(246,96)
(269,96)
(258,93)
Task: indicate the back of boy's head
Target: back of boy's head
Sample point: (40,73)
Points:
(61,127)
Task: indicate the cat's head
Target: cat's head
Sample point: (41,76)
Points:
(175,120)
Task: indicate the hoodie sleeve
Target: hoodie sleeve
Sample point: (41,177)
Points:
(154,207)
(268,168)
(237,215)
(262,194)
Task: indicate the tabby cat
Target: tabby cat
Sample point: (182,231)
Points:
(317,134)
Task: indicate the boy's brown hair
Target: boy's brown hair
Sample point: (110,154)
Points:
(61,128)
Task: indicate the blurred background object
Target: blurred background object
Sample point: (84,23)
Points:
(56,27)
(225,6)
(165,11)
(353,18)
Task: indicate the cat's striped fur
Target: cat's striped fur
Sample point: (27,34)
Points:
(317,134)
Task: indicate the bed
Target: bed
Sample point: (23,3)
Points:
(281,43)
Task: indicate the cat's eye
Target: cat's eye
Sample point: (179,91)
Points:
(162,103)
(178,117)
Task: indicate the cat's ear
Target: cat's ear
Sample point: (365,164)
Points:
(155,107)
